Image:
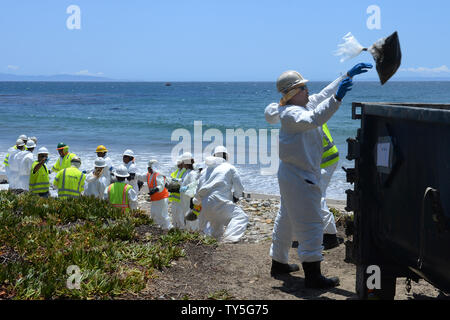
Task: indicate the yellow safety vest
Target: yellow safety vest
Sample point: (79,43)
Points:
(63,163)
(330,153)
(177,174)
(70,183)
(39,181)
(6,161)
(118,195)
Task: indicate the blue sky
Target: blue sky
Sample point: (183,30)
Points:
(208,40)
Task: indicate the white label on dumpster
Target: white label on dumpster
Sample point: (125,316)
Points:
(383,154)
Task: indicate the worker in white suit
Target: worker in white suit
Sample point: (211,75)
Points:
(159,196)
(129,162)
(187,189)
(25,160)
(218,190)
(12,165)
(300,151)
(96,180)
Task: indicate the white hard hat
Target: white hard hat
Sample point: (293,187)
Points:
(31,144)
(198,166)
(210,161)
(179,161)
(42,150)
(33,138)
(23,137)
(129,153)
(121,171)
(76,159)
(187,157)
(151,163)
(289,80)
(220,149)
(20,143)
(100,163)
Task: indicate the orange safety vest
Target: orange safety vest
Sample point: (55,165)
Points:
(152,184)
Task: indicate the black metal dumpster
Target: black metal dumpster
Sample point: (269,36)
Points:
(401,196)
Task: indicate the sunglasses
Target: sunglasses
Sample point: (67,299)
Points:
(303,88)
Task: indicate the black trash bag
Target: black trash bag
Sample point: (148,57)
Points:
(173,186)
(387,55)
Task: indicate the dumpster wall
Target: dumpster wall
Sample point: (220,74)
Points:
(404,149)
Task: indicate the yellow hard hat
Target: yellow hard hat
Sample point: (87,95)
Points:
(101,148)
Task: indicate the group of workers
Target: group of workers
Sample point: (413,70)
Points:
(308,158)
(203,199)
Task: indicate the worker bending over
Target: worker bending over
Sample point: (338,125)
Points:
(219,188)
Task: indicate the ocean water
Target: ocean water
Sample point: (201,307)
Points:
(143,117)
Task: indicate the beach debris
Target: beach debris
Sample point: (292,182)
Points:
(386,52)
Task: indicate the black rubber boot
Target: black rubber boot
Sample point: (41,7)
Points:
(282,268)
(315,279)
(330,241)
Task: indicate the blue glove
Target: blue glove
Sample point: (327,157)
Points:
(358,69)
(183,189)
(344,87)
(84,171)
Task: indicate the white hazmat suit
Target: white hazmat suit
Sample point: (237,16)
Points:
(131,167)
(108,169)
(26,162)
(300,151)
(12,171)
(95,186)
(189,184)
(215,194)
(328,217)
(159,210)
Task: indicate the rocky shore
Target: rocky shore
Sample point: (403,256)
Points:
(261,210)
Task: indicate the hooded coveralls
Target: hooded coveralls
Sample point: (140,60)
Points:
(300,151)
(26,162)
(159,200)
(215,194)
(95,186)
(189,182)
(13,168)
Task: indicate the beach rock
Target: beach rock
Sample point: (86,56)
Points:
(261,215)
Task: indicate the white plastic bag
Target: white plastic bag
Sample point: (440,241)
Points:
(349,49)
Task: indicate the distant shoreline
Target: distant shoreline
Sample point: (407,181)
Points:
(107,80)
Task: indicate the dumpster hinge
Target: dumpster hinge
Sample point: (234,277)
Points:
(350,174)
(352,200)
(353,149)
